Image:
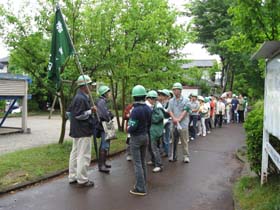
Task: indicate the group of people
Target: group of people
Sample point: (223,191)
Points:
(157,121)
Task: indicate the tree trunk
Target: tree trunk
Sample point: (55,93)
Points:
(63,116)
(114,87)
(223,73)
(231,80)
(123,101)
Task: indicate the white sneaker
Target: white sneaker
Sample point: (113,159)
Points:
(198,134)
(157,169)
(192,138)
(128,158)
(204,135)
(179,142)
(186,159)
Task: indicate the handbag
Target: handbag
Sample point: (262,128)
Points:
(109,129)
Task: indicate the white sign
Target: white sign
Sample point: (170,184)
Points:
(271,114)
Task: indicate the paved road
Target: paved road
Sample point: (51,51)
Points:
(43,131)
(203,184)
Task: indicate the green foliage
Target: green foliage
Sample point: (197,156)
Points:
(33,105)
(249,194)
(254,133)
(254,137)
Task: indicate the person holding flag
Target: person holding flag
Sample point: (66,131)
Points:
(81,124)
(81,107)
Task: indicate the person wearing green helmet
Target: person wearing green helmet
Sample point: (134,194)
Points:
(163,98)
(81,124)
(105,115)
(180,121)
(138,127)
(156,129)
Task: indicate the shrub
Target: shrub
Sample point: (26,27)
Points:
(254,137)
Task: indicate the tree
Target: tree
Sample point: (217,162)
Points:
(210,25)
(132,44)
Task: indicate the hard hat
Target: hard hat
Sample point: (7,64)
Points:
(206,99)
(138,90)
(83,80)
(103,89)
(152,94)
(194,95)
(200,98)
(177,85)
(164,92)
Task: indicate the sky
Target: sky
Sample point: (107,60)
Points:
(191,50)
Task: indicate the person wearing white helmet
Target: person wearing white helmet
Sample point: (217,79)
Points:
(81,130)
(194,105)
(203,111)
(220,112)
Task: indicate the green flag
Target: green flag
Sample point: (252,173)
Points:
(61,48)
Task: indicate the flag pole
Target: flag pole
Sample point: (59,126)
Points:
(77,61)
(79,66)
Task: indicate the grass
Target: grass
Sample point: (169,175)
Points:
(251,195)
(31,164)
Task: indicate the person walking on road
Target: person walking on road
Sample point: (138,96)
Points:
(180,123)
(105,115)
(81,130)
(138,127)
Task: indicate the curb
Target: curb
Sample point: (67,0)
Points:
(47,177)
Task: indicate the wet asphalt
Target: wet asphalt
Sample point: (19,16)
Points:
(203,184)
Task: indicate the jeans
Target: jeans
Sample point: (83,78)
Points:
(156,152)
(138,147)
(203,126)
(166,138)
(193,119)
(104,145)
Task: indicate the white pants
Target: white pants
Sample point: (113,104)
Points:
(228,112)
(79,161)
(203,126)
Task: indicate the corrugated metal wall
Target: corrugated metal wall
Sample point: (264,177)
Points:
(12,87)
(272,97)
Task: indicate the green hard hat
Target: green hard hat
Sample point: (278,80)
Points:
(164,92)
(83,80)
(177,85)
(152,94)
(138,90)
(206,99)
(103,89)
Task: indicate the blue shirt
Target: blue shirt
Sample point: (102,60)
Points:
(234,103)
(177,107)
(140,119)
